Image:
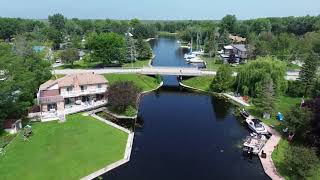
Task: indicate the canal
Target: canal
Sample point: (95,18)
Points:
(185,135)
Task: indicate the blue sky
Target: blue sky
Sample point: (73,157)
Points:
(158,9)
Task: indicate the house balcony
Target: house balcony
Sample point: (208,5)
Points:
(84,106)
(69,109)
(69,94)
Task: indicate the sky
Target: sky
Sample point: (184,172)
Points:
(158,9)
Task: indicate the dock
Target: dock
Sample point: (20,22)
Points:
(267,163)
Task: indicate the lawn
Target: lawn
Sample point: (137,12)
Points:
(137,63)
(144,82)
(69,150)
(283,105)
(278,159)
(211,63)
(201,82)
(81,65)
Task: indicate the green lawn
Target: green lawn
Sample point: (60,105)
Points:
(211,63)
(283,104)
(86,65)
(68,150)
(144,82)
(80,65)
(278,159)
(137,63)
(201,82)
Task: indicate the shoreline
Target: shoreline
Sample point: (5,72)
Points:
(267,163)
(129,144)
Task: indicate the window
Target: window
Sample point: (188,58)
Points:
(99,86)
(69,88)
(83,88)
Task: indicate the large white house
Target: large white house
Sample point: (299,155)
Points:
(71,94)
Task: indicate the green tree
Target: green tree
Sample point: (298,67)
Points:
(57,21)
(55,36)
(107,47)
(252,74)
(265,101)
(223,80)
(21,77)
(123,94)
(228,23)
(298,120)
(143,49)
(299,161)
(70,55)
(308,71)
(131,54)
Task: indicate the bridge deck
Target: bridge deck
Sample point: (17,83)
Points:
(177,71)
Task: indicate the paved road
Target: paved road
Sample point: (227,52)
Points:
(184,71)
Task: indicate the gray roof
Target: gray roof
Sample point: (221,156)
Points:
(240,47)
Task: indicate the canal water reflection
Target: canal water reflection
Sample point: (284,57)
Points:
(186,135)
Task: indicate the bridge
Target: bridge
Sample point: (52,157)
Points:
(176,71)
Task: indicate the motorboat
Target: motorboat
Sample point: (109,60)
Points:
(244,113)
(257,126)
(194,60)
(189,56)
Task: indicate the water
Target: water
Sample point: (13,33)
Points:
(169,53)
(186,135)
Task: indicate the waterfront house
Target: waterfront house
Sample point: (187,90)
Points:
(233,53)
(70,94)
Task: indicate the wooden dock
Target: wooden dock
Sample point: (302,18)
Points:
(267,163)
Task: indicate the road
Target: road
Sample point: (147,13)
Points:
(177,71)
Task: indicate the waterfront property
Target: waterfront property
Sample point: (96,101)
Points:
(70,150)
(234,53)
(70,94)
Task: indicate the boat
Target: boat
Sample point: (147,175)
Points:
(189,56)
(257,126)
(194,60)
(254,144)
(244,113)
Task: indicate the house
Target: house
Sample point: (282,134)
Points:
(233,53)
(237,39)
(12,126)
(70,94)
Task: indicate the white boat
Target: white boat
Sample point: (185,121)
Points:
(189,56)
(201,52)
(257,126)
(195,60)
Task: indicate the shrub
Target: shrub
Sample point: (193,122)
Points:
(123,94)
(295,89)
(223,81)
(300,161)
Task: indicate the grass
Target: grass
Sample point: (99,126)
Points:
(201,82)
(137,63)
(278,159)
(81,65)
(211,63)
(283,104)
(142,81)
(293,67)
(214,63)
(57,76)
(69,150)
(5,138)
(167,34)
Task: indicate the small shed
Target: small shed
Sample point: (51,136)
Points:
(12,126)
